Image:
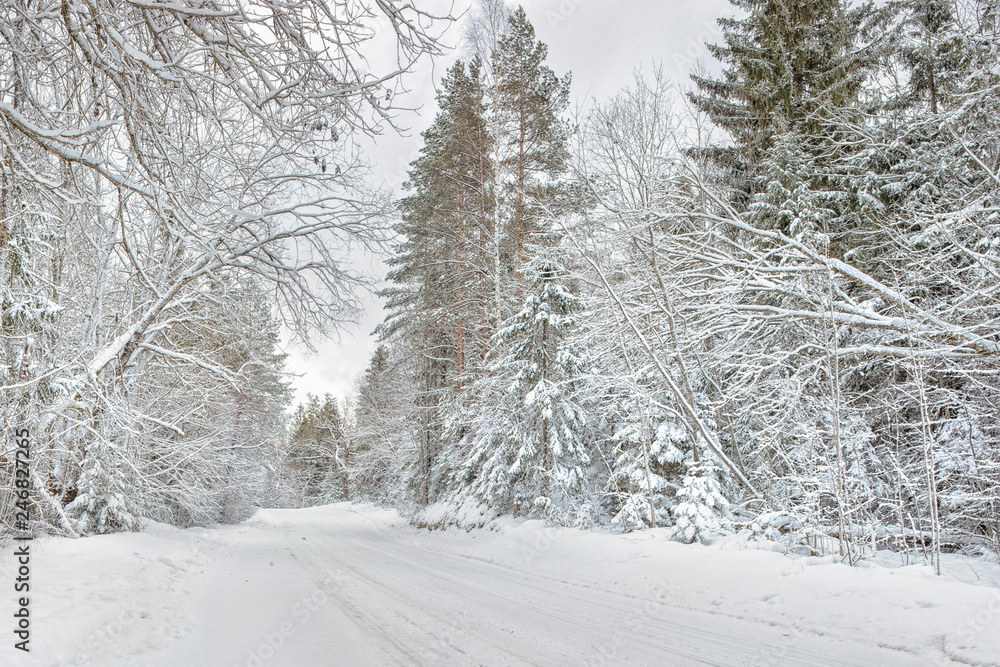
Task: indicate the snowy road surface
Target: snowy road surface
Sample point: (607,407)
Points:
(344,585)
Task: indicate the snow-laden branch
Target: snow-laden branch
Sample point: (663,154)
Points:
(696,424)
(841,268)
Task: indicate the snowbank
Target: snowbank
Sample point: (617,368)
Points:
(217,596)
(889,604)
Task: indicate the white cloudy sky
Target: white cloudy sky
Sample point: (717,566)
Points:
(600,41)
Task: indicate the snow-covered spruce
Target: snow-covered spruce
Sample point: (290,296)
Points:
(699,514)
(528,455)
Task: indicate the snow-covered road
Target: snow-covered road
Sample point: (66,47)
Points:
(350,586)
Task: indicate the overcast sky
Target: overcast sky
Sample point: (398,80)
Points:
(600,41)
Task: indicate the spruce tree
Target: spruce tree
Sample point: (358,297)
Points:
(785,65)
(649,448)
(109,495)
(933,51)
(792,200)
(528,454)
(699,514)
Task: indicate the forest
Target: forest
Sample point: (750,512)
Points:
(762,301)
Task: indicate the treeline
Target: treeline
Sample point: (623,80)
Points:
(176,184)
(768,305)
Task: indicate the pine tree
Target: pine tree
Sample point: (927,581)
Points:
(480,162)
(442,262)
(527,100)
(440,302)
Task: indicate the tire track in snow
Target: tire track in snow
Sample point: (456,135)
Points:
(423,621)
(582,613)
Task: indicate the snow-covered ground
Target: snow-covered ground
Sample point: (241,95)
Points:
(349,585)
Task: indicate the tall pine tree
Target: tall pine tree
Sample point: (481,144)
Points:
(439,304)
(532,140)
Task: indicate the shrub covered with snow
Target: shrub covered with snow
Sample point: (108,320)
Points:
(700,512)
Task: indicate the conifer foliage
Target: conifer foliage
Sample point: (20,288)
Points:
(787,65)
(528,454)
(492,171)
(786,330)
(320,452)
(528,99)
